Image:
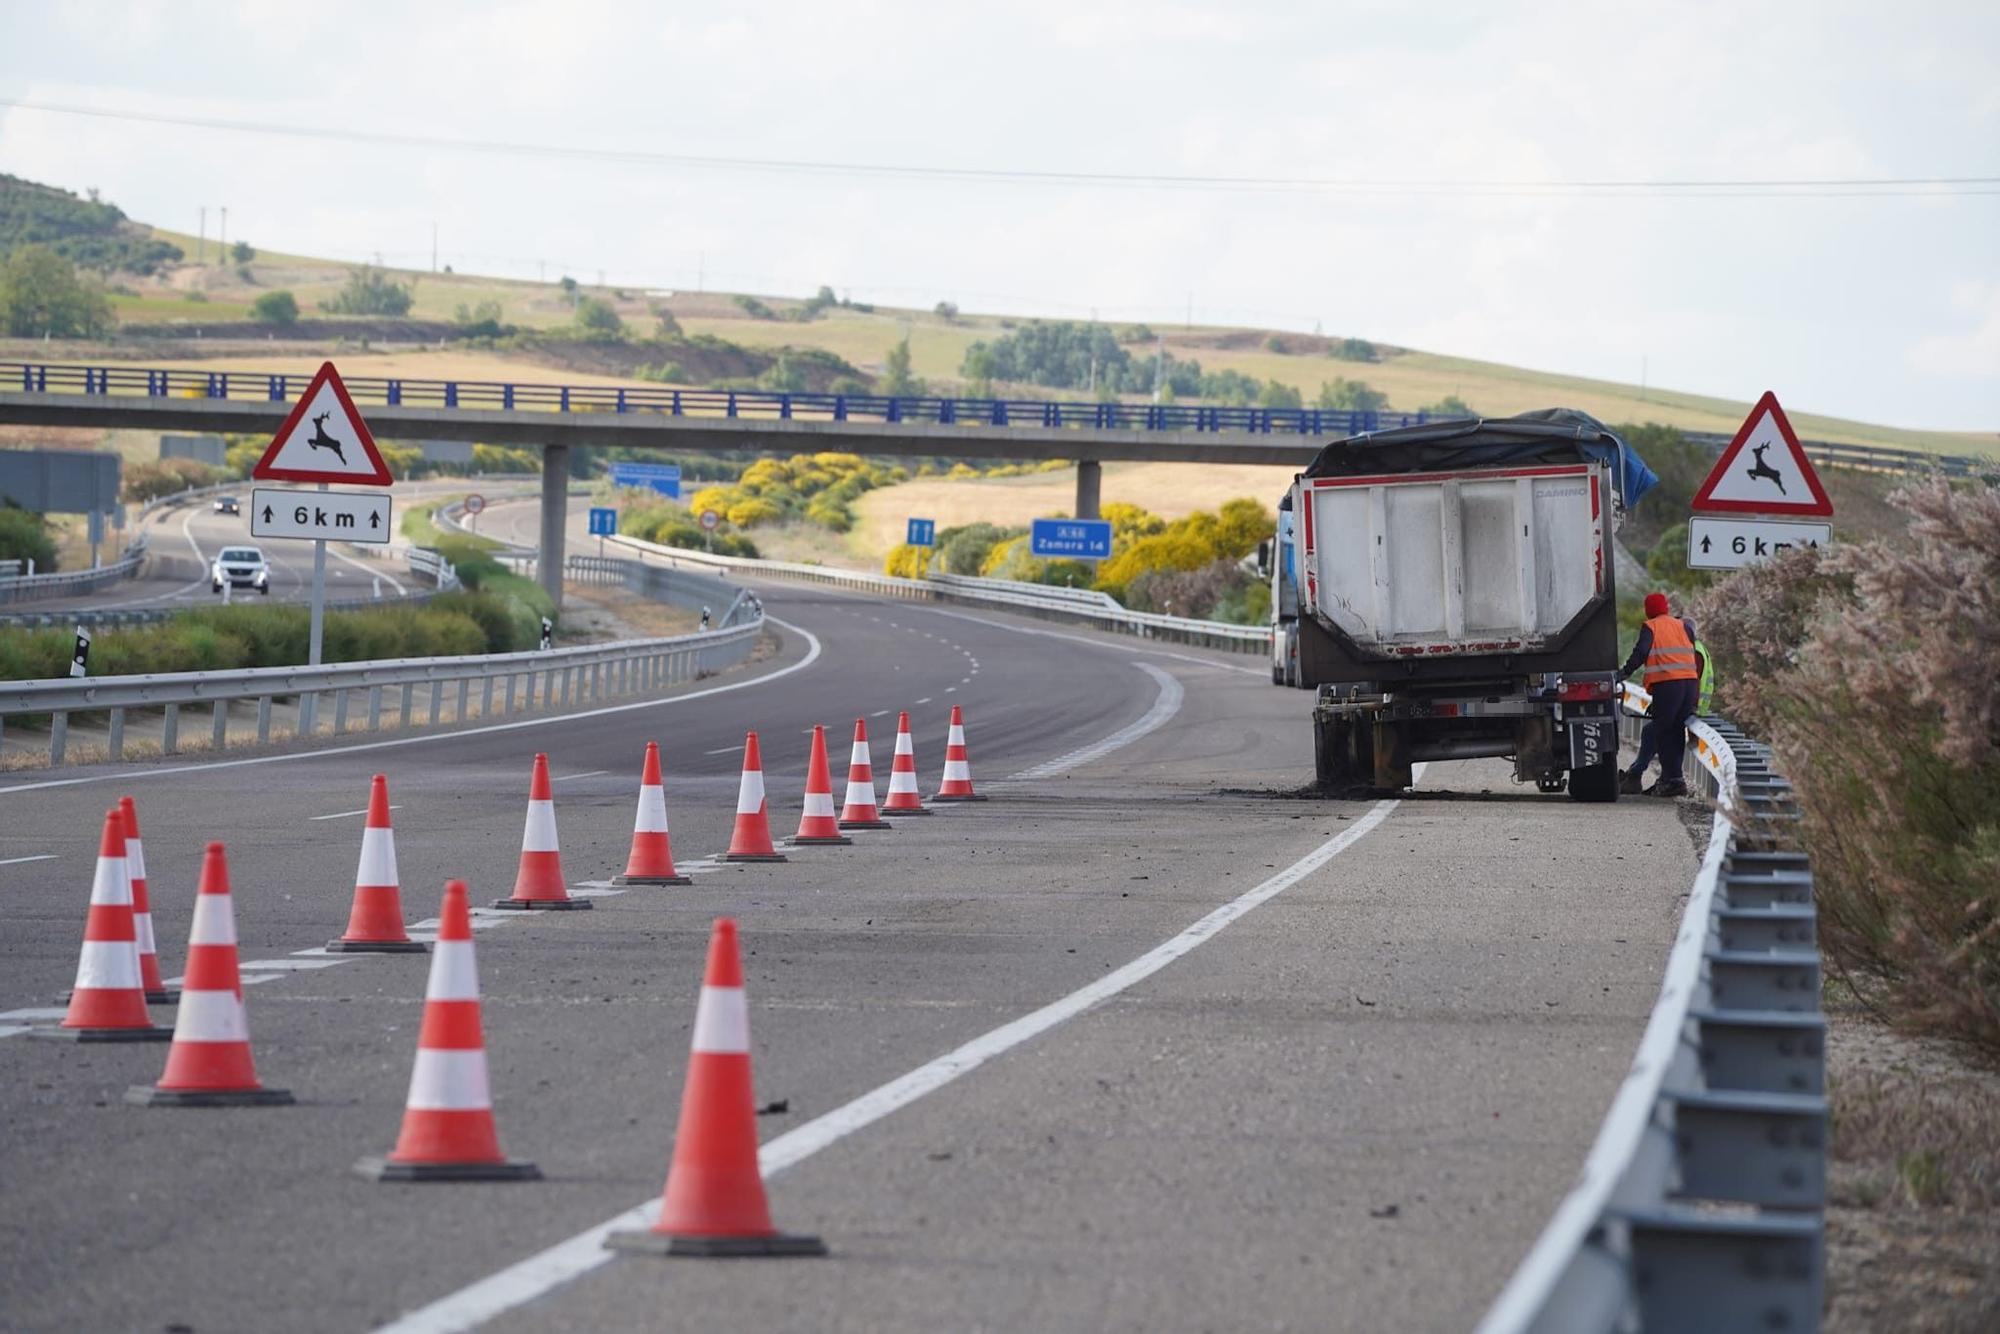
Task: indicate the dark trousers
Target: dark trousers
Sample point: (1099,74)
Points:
(1673,705)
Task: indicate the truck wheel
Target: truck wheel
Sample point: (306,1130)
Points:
(1599,782)
(1277,676)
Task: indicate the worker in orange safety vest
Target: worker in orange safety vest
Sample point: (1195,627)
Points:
(1671,667)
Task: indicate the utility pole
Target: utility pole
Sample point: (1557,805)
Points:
(222,237)
(701,272)
(201,238)
(434,245)
(1642,377)
(1190,314)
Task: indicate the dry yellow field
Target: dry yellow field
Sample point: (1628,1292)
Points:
(1167,489)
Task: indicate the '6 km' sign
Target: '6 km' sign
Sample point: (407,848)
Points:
(346,516)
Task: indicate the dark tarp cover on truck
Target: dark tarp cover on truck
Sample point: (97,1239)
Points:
(1550,436)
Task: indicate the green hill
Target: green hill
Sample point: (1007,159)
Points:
(88,233)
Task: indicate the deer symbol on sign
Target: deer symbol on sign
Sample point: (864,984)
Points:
(1763,469)
(319,439)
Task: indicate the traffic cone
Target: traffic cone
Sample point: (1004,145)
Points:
(903,798)
(714,1200)
(109,1001)
(209,1064)
(540,883)
(157,991)
(375,923)
(750,840)
(957,784)
(858,810)
(652,859)
(817,824)
(448,1131)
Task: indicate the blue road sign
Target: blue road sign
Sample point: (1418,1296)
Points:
(922,533)
(1079,539)
(603,522)
(662,477)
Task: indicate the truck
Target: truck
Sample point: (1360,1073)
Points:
(1284,570)
(1457,599)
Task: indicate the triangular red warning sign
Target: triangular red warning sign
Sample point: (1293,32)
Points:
(1763,471)
(324,440)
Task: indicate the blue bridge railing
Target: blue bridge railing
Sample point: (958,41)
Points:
(737,403)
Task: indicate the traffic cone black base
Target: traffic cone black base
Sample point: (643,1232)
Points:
(373,947)
(643,1242)
(652,880)
(146,1095)
(908,810)
(154,1034)
(866,824)
(165,997)
(833,840)
(943,798)
(752,857)
(544,905)
(381,1169)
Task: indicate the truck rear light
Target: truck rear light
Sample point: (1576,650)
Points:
(1572,692)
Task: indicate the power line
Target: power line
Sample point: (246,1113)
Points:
(1814,187)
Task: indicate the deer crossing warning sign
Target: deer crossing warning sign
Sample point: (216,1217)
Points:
(324,440)
(1763,471)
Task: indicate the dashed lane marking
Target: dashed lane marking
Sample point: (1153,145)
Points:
(587,773)
(723,750)
(342,815)
(1098,643)
(925,700)
(566,1260)
(38,857)
(129,775)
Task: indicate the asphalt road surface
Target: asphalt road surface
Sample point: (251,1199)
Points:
(1347,1100)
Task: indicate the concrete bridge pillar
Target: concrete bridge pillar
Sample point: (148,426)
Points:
(555,518)
(1089,482)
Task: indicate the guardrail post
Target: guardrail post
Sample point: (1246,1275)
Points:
(219,729)
(510,692)
(374,708)
(409,701)
(263,719)
(308,720)
(117,734)
(464,694)
(437,701)
(170,730)
(58,738)
(339,712)
(486,697)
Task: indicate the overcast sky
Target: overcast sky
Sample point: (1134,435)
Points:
(1844,300)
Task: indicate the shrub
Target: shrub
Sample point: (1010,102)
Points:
(242,252)
(755,309)
(904,561)
(369,291)
(597,321)
(164,477)
(25,536)
(1886,716)
(275,308)
(1353,349)
(963,550)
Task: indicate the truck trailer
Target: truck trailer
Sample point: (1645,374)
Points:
(1456,599)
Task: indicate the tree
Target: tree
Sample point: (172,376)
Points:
(897,382)
(25,536)
(1353,349)
(41,296)
(1276,395)
(597,321)
(369,291)
(1451,405)
(946,311)
(1351,396)
(281,308)
(243,252)
(664,321)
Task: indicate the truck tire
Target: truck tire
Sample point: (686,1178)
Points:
(1599,782)
(1277,675)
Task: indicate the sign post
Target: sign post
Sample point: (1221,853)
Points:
(603,524)
(922,534)
(709,519)
(344,453)
(1733,525)
(474,504)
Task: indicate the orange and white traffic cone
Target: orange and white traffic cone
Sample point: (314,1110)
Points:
(957,784)
(903,798)
(540,883)
(448,1131)
(375,922)
(817,824)
(109,1002)
(750,840)
(652,859)
(858,810)
(714,1202)
(209,1064)
(157,991)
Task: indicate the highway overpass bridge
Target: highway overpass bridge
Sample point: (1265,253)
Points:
(555,417)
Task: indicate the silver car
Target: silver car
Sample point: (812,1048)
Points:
(240,567)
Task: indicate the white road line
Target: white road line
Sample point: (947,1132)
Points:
(49,856)
(1165,705)
(813,651)
(879,713)
(542,1273)
(925,700)
(1099,643)
(342,815)
(725,750)
(587,773)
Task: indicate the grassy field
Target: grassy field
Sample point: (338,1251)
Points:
(1411,379)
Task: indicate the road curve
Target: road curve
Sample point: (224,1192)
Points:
(1349,1105)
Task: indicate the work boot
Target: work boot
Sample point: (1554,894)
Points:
(1663,788)
(1628,782)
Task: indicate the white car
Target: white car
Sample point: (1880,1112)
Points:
(239,567)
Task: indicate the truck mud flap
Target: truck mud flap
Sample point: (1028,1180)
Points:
(1592,741)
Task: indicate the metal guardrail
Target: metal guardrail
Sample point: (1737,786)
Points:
(567,676)
(1701,1204)
(1072,604)
(33,587)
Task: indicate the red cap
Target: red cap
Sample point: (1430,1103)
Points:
(1656,605)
